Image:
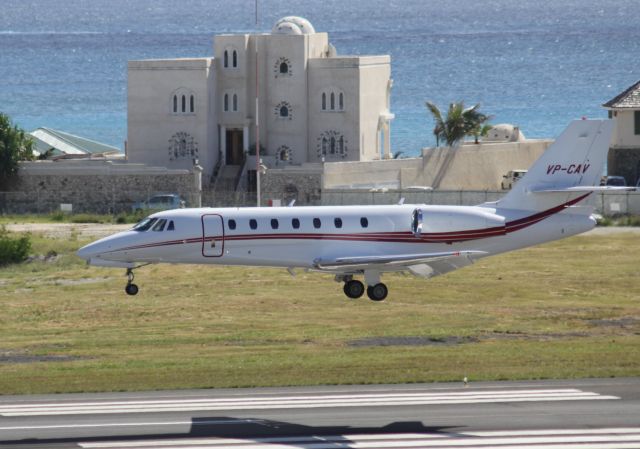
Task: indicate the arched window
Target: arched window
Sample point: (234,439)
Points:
(283,154)
(235,58)
(226,58)
(332,144)
(235,102)
(179,99)
(182,146)
(333,101)
(324,101)
(284,68)
(226,102)
(341,101)
(284,111)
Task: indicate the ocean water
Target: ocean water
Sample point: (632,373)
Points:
(537,64)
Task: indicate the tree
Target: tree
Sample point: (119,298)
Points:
(15,145)
(458,123)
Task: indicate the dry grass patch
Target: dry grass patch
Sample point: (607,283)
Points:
(565,309)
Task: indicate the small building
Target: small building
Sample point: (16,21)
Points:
(624,153)
(54,144)
(311,104)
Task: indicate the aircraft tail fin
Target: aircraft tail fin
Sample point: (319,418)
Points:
(571,166)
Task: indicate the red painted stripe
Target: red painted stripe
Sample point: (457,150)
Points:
(385,237)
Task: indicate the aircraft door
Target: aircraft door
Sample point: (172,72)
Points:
(212,236)
(416,222)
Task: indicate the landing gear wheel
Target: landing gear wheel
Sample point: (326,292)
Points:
(131,288)
(353,289)
(377,292)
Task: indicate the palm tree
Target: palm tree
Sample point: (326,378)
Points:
(458,123)
(15,145)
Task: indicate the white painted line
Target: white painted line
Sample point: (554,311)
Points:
(139,424)
(509,433)
(499,393)
(268,440)
(305,402)
(603,440)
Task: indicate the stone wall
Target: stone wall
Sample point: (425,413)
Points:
(468,167)
(302,184)
(92,186)
(624,162)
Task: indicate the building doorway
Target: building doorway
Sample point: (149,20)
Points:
(233,139)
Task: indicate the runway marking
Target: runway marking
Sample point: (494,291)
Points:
(139,424)
(614,438)
(300,402)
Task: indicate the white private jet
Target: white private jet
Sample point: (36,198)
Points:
(351,241)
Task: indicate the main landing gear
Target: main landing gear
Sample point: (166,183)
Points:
(355,289)
(131,288)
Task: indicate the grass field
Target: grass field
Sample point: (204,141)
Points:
(561,310)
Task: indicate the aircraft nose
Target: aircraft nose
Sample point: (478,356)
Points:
(88,251)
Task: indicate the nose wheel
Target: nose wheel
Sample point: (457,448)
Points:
(131,288)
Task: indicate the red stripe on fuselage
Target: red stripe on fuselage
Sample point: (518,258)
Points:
(383,237)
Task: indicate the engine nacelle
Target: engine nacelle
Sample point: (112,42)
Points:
(449,224)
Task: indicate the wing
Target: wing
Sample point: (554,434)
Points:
(425,265)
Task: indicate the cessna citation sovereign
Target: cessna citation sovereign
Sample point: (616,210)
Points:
(366,241)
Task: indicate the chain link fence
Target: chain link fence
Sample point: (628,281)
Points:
(606,203)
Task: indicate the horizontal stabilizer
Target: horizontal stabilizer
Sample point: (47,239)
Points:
(578,189)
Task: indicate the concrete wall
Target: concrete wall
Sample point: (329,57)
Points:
(92,186)
(467,167)
(624,135)
(154,128)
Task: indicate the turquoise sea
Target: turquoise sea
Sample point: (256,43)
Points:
(537,64)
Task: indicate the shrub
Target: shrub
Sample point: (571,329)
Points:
(12,249)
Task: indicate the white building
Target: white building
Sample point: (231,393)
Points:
(624,154)
(313,105)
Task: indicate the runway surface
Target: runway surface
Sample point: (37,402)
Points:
(585,414)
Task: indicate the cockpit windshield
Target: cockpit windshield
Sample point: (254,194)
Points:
(145,224)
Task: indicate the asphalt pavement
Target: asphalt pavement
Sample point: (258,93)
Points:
(585,414)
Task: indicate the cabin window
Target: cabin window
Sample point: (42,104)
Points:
(317,223)
(145,224)
(338,222)
(274,223)
(295,223)
(253,224)
(364,222)
(159,226)
(232,224)
(171,227)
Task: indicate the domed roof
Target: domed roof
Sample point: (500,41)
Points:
(293,25)
(504,132)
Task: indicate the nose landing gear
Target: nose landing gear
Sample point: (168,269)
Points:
(131,288)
